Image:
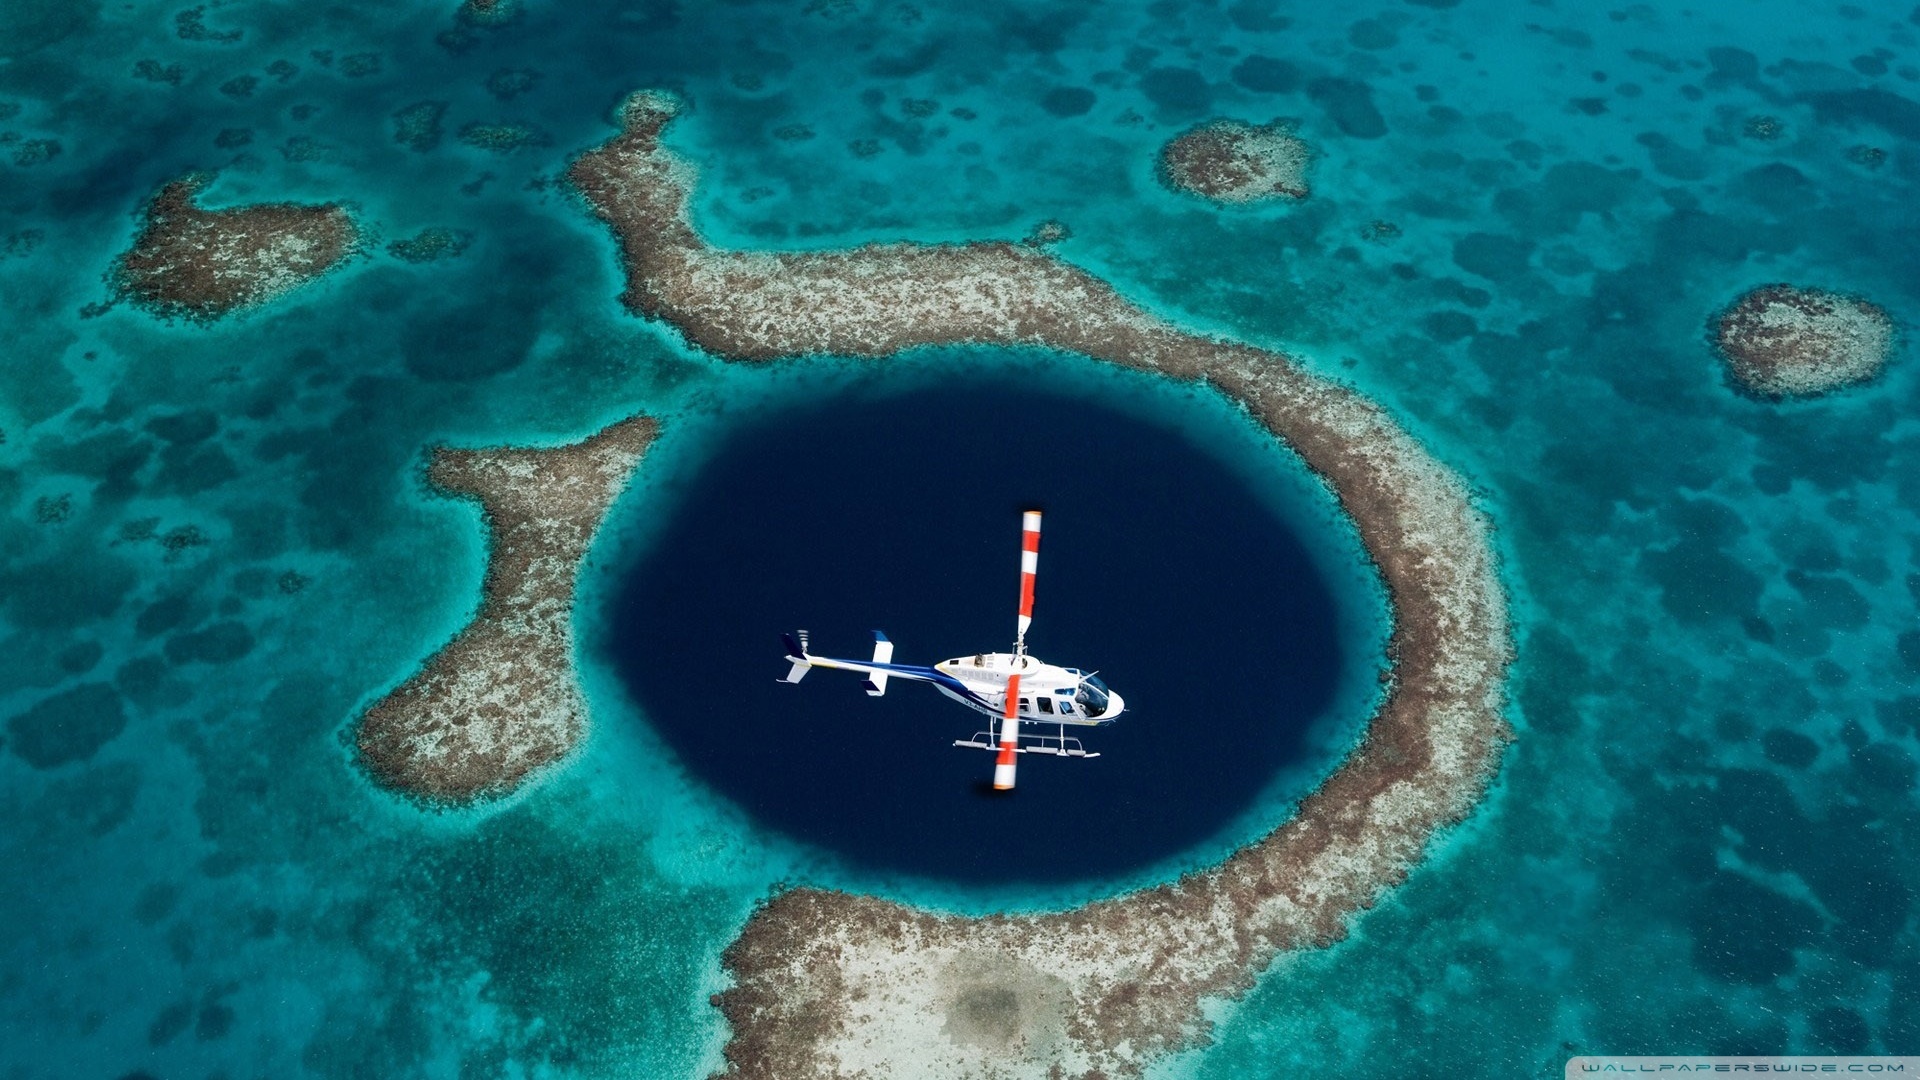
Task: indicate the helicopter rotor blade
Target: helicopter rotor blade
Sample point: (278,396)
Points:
(1009,737)
(1029,566)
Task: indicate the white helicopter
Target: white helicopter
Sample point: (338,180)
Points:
(1008,687)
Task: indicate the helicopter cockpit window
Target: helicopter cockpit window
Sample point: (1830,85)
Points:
(1045,704)
(1092,696)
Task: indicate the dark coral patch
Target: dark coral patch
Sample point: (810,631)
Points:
(1181,91)
(1839,1030)
(1671,159)
(486,337)
(431,245)
(1789,748)
(1909,651)
(418,126)
(63,593)
(1492,256)
(1266,75)
(192,426)
(164,614)
(1731,64)
(1698,582)
(69,726)
(1833,601)
(220,643)
(1068,101)
(1257,16)
(1349,104)
(1448,326)
(1882,108)
(1885,766)
(1373,34)
(1777,187)
(1746,933)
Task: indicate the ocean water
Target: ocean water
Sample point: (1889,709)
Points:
(216,543)
(894,503)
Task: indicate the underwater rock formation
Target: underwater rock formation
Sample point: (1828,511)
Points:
(202,264)
(488,12)
(1780,341)
(1230,161)
(418,126)
(827,983)
(431,245)
(501,700)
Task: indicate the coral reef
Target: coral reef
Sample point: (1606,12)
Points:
(431,245)
(500,700)
(202,264)
(1229,161)
(502,138)
(1780,341)
(417,126)
(488,12)
(832,984)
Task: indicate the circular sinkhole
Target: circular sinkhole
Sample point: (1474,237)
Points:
(1166,568)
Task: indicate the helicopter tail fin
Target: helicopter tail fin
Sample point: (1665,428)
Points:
(797,652)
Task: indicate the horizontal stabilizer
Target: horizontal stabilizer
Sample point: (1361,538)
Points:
(882,654)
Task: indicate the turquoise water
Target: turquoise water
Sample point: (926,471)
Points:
(1703,840)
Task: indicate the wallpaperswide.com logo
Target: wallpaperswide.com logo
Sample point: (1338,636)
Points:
(1591,1067)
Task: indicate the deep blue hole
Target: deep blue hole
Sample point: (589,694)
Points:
(1158,567)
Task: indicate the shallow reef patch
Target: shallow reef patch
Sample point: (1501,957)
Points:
(1231,161)
(1781,341)
(202,264)
(500,701)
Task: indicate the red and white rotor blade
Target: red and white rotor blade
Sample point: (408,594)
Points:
(1029,565)
(1009,738)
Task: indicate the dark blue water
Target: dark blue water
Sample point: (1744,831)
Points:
(1159,568)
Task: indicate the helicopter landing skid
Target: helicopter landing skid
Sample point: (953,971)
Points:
(1031,742)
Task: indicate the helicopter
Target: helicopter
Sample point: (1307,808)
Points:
(1021,696)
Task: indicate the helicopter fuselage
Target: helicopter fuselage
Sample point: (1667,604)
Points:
(1048,693)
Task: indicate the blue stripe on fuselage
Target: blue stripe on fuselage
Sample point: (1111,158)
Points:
(914,671)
